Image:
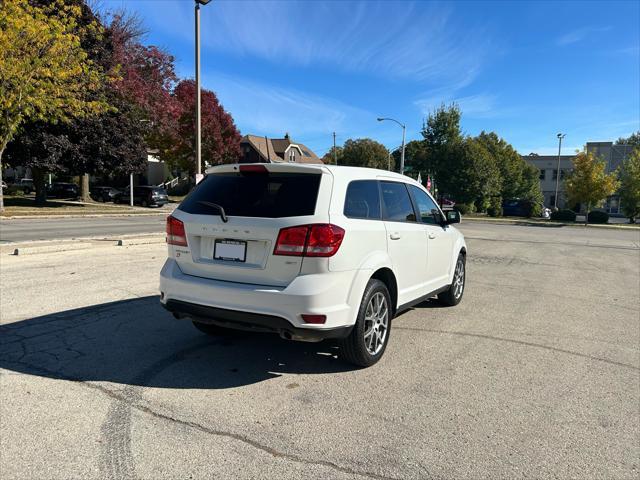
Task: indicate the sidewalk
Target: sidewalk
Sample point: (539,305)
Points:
(548,223)
(24,207)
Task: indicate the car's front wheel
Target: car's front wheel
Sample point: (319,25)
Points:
(453,295)
(368,340)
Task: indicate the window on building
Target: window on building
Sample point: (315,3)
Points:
(292,155)
(543,174)
(555,174)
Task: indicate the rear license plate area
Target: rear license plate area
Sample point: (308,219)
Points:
(230,250)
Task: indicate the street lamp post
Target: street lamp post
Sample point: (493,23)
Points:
(404,130)
(198,102)
(555,199)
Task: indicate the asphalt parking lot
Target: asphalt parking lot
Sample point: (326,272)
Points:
(536,374)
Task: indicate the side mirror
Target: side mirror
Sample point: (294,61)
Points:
(453,216)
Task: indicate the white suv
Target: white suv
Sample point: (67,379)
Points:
(309,252)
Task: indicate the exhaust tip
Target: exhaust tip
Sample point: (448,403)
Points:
(286,335)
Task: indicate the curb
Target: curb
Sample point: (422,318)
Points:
(508,221)
(55,246)
(86,215)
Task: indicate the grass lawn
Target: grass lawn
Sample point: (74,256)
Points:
(26,206)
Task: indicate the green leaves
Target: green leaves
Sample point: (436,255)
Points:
(630,185)
(589,183)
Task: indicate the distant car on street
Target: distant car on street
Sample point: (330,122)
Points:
(104,194)
(516,207)
(24,184)
(62,190)
(144,195)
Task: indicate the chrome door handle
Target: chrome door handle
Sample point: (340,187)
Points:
(432,236)
(395,236)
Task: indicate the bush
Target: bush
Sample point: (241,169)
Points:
(565,215)
(465,208)
(495,207)
(597,216)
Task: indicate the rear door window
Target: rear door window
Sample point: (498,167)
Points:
(362,200)
(267,195)
(397,206)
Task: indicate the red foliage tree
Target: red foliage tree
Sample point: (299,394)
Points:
(220,137)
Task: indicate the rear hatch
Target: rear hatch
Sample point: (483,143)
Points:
(258,200)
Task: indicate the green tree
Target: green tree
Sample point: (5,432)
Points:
(365,152)
(633,139)
(329,157)
(588,183)
(45,74)
(630,185)
(519,179)
(416,157)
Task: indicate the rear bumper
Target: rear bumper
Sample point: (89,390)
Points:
(251,322)
(272,308)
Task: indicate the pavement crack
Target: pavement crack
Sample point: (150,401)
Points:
(521,342)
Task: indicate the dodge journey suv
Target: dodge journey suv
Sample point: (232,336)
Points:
(309,252)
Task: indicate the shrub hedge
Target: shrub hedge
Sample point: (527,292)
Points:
(597,216)
(565,215)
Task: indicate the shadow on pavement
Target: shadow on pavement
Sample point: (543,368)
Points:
(136,342)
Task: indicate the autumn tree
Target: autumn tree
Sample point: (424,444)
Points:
(45,74)
(589,183)
(220,137)
(333,158)
(365,152)
(630,185)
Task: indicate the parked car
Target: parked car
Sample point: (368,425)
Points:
(516,207)
(309,252)
(104,194)
(62,190)
(24,184)
(144,195)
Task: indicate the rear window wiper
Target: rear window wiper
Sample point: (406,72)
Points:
(223,215)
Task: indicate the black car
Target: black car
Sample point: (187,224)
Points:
(516,207)
(104,194)
(62,190)
(144,195)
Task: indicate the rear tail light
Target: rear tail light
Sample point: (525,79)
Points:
(175,232)
(253,169)
(317,319)
(318,240)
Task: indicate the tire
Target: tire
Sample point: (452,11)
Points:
(453,295)
(144,203)
(214,330)
(363,346)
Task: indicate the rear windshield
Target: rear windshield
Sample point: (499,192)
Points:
(272,195)
(159,191)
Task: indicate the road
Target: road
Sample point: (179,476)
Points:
(535,374)
(20,230)
(27,229)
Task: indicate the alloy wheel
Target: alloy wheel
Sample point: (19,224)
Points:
(376,323)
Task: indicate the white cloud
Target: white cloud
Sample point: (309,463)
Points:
(480,105)
(395,39)
(579,35)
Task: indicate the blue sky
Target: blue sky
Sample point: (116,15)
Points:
(526,70)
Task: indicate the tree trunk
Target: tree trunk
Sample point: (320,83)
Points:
(84,188)
(1,189)
(40,186)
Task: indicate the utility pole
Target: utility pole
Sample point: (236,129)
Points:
(555,199)
(198,119)
(335,155)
